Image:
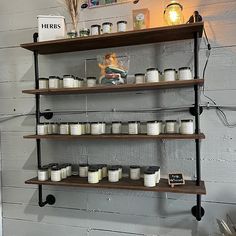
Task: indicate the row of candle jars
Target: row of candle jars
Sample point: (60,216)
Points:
(105,28)
(68,81)
(54,172)
(132,128)
(154,75)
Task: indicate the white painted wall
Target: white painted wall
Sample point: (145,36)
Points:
(107,212)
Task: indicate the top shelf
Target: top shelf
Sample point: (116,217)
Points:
(146,36)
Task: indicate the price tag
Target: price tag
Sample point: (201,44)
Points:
(176,179)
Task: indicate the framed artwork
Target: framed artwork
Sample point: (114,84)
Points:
(100,3)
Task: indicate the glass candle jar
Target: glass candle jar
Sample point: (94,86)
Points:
(43,174)
(95,128)
(54,82)
(171,126)
(100,176)
(113,174)
(139,78)
(49,128)
(63,171)
(116,127)
(42,129)
(157,171)
(121,26)
(68,81)
(64,128)
(91,81)
(169,75)
(55,174)
(120,170)
(103,128)
(135,172)
(43,83)
(186,127)
(104,171)
(83,170)
(87,128)
(153,75)
(95,29)
(78,82)
(68,169)
(84,32)
(107,27)
(49,166)
(173,13)
(149,178)
(83,128)
(154,127)
(55,128)
(93,176)
(75,129)
(185,73)
(133,127)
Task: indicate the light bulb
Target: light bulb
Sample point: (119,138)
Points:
(173,14)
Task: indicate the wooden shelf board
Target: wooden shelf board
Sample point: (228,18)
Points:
(117,137)
(146,36)
(118,88)
(75,181)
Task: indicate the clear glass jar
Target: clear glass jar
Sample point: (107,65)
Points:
(55,174)
(78,82)
(103,128)
(122,26)
(107,27)
(104,171)
(42,129)
(64,128)
(169,75)
(153,75)
(91,81)
(43,83)
(135,172)
(149,179)
(54,82)
(116,127)
(185,73)
(84,32)
(95,29)
(75,129)
(113,174)
(186,127)
(139,78)
(43,174)
(68,81)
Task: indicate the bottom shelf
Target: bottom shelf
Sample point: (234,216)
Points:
(75,181)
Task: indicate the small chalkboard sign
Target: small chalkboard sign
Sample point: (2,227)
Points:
(176,179)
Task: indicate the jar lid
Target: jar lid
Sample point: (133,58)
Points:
(91,78)
(122,21)
(116,122)
(170,69)
(54,77)
(43,78)
(117,166)
(62,166)
(149,172)
(53,164)
(43,168)
(154,121)
(133,122)
(83,165)
(113,168)
(107,23)
(55,168)
(139,74)
(184,68)
(155,168)
(168,121)
(68,164)
(84,30)
(152,69)
(93,170)
(64,123)
(134,167)
(80,79)
(99,26)
(68,76)
(187,120)
(99,166)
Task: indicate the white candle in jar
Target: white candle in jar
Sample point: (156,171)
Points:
(149,178)
(91,81)
(43,174)
(154,127)
(78,82)
(54,82)
(153,75)
(135,172)
(169,75)
(133,127)
(55,174)
(83,170)
(95,29)
(185,73)
(93,176)
(171,126)
(116,127)
(68,81)
(121,26)
(42,129)
(186,127)
(76,129)
(139,78)
(43,83)
(113,174)
(107,27)
(95,128)
(64,128)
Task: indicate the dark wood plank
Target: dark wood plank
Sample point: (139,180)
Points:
(118,88)
(117,137)
(75,181)
(146,36)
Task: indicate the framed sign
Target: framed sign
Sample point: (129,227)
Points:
(100,3)
(176,179)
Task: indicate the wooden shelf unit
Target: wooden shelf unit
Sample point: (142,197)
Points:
(117,88)
(190,187)
(130,38)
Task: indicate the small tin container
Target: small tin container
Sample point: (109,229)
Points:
(153,75)
(149,178)
(186,127)
(42,129)
(54,82)
(75,129)
(64,128)
(116,127)
(68,81)
(171,127)
(107,27)
(95,30)
(56,174)
(139,78)
(113,174)
(135,172)
(185,73)
(43,174)
(83,170)
(43,83)
(91,81)
(133,127)
(122,26)
(78,82)
(93,175)
(154,127)
(169,75)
